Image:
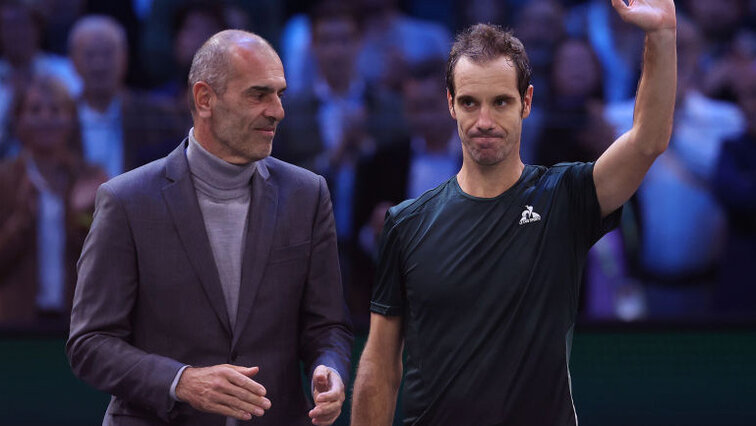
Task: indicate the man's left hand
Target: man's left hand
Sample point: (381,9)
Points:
(328,394)
(649,15)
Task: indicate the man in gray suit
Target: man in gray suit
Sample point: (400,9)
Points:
(208,275)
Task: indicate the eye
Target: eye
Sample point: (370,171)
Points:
(467,102)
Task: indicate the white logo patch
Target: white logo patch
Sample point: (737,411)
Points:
(529,216)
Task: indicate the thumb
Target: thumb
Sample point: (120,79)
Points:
(247,371)
(320,381)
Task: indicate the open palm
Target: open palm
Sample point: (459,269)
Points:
(649,15)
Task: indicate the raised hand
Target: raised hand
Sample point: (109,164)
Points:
(328,394)
(649,15)
(223,389)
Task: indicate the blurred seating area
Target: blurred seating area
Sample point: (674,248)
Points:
(91,89)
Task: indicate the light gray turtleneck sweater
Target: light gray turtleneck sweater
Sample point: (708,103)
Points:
(224,192)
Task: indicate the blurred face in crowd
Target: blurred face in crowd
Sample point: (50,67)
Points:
(244,118)
(100,58)
(488,110)
(540,26)
(335,43)
(689,42)
(426,111)
(717,17)
(45,119)
(18,34)
(575,70)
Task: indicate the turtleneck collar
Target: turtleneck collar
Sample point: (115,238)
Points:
(217,178)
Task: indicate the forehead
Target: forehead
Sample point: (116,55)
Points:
(94,37)
(37,96)
(490,78)
(254,63)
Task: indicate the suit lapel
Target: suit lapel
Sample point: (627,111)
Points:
(260,225)
(181,199)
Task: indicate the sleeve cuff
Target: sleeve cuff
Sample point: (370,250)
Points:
(386,310)
(175,383)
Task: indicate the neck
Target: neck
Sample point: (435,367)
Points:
(98,101)
(50,167)
(489,181)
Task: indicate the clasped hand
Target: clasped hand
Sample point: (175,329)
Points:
(230,391)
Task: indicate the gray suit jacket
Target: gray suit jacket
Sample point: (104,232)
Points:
(148,297)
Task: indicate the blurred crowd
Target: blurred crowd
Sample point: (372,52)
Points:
(90,89)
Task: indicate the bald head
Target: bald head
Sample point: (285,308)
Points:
(212,63)
(98,47)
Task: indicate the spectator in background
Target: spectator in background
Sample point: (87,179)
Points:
(735,186)
(573,126)
(392,40)
(722,79)
(119,127)
(540,28)
(265,17)
(131,14)
(46,202)
(618,45)
(342,117)
(426,158)
(682,224)
(719,21)
(470,12)
(21,32)
(193,24)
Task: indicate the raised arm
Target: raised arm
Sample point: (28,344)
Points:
(379,373)
(620,170)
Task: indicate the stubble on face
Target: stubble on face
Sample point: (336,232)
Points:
(246,115)
(488,110)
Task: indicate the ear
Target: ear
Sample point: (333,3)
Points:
(527,102)
(450,101)
(204,98)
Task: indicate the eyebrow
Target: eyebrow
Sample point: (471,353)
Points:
(263,89)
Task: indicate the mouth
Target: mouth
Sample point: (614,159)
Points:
(267,131)
(485,141)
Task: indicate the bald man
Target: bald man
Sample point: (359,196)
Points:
(118,126)
(210,274)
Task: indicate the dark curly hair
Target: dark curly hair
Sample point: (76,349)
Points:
(486,42)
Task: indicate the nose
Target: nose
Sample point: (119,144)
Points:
(484,121)
(275,109)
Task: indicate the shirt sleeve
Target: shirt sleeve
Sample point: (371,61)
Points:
(585,208)
(175,383)
(388,294)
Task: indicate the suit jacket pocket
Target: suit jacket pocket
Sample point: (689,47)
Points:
(289,253)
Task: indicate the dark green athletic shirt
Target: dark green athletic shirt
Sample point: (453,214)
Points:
(488,291)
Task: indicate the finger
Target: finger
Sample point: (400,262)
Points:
(247,371)
(248,397)
(620,5)
(236,404)
(325,418)
(239,379)
(333,395)
(325,410)
(321,383)
(225,410)
(320,379)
